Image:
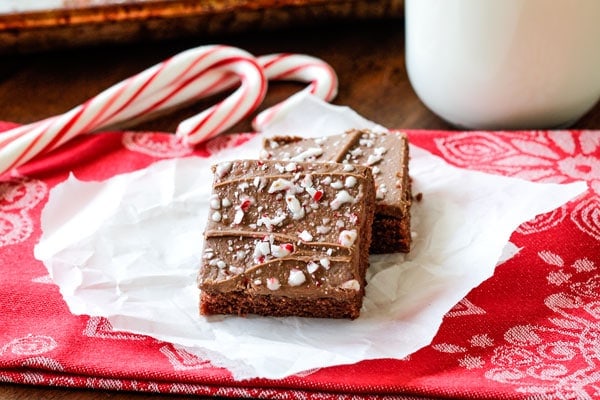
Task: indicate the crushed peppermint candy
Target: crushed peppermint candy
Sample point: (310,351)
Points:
(273,283)
(291,167)
(236,270)
(216,216)
(323,230)
(296,277)
(352,284)
(381,191)
(377,156)
(246,203)
(259,182)
(262,248)
(357,152)
(238,217)
(208,254)
(325,262)
(312,267)
(347,237)
(350,182)
(341,197)
(294,206)
(337,184)
(282,250)
(215,203)
(308,154)
(270,222)
(280,184)
(306,236)
(223,169)
(307,181)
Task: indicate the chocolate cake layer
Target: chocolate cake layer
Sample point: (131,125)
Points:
(385,153)
(287,239)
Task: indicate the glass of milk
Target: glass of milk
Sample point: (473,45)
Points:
(505,64)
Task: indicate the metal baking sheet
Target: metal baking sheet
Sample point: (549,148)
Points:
(33,25)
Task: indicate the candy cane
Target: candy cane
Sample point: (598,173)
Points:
(294,67)
(299,67)
(189,75)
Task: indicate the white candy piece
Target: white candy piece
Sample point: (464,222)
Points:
(215,203)
(281,251)
(308,154)
(296,277)
(294,206)
(280,184)
(342,197)
(269,222)
(350,182)
(239,216)
(347,237)
(312,267)
(306,236)
(273,283)
(223,169)
(351,285)
(216,216)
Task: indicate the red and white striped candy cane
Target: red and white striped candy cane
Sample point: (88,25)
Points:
(186,76)
(279,67)
(296,67)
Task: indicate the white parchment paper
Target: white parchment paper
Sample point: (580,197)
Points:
(129,248)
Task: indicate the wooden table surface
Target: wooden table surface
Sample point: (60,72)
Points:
(368,57)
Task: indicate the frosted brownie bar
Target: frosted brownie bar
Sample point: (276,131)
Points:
(287,239)
(387,155)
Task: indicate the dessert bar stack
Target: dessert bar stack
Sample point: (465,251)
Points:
(290,234)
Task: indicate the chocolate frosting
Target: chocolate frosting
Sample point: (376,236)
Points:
(386,153)
(286,228)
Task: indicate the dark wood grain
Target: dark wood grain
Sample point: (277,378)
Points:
(368,57)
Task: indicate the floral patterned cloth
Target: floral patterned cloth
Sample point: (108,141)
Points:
(530,331)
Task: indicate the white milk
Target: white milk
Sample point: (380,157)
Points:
(505,64)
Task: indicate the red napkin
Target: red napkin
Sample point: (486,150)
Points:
(530,331)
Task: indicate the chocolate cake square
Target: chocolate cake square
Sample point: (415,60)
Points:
(287,239)
(385,153)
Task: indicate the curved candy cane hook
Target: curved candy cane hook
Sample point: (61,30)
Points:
(297,67)
(284,67)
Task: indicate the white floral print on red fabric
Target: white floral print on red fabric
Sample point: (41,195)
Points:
(29,345)
(543,222)
(181,360)
(17,197)
(545,156)
(99,327)
(555,358)
(586,215)
(155,145)
(465,307)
